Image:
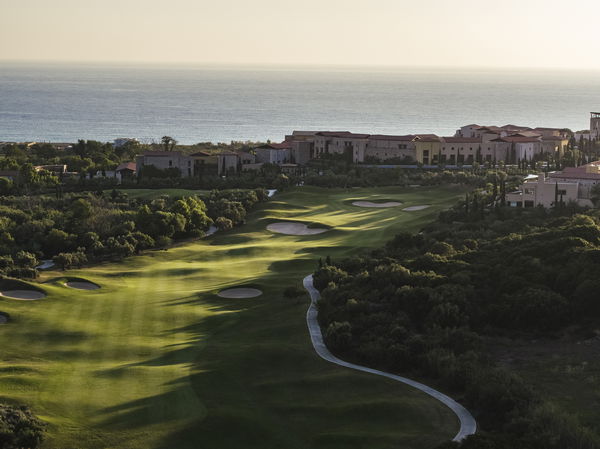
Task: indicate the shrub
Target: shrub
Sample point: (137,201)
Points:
(19,428)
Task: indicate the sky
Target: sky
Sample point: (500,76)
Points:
(440,33)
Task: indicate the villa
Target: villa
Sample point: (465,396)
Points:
(571,184)
(166,160)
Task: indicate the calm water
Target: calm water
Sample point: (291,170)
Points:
(195,104)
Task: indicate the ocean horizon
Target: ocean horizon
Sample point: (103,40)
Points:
(61,102)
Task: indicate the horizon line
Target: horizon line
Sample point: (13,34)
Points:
(289,65)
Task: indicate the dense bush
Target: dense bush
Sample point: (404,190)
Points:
(19,428)
(426,301)
(77,228)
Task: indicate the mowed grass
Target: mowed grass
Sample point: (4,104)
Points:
(155,359)
(150,194)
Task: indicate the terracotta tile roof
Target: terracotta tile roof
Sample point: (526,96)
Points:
(127,166)
(574,174)
(516,139)
(285,145)
(343,134)
(516,127)
(407,138)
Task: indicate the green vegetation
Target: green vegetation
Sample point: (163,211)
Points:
(19,428)
(77,228)
(154,359)
(431,304)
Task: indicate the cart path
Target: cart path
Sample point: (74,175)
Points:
(468,426)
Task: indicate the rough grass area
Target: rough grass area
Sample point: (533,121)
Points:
(155,359)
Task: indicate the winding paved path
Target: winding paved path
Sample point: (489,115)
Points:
(468,426)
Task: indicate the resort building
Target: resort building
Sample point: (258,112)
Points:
(459,150)
(384,147)
(426,148)
(587,176)
(341,142)
(537,190)
(230,162)
(166,160)
(274,153)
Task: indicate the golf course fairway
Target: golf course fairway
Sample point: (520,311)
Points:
(155,359)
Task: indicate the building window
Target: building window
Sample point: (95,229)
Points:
(170,163)
(562,192)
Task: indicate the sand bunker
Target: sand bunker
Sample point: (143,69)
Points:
(23,295)
(237,293)
(371,204)
(271,192)
(291,228)
(413,208)
(211,230)
(82,285)
(45,265)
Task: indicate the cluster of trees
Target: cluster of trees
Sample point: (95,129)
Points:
(425,303)
(78,228)
(19,428)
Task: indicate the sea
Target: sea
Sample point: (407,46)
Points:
(59,102)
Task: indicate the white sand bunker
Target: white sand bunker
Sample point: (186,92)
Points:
(23,295)
(371,204)
(291,228)
(236,293)
(413,208)
(82,285)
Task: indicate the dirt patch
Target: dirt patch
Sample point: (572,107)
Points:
(371,204)
(294,228)
(82,285)
(23,295)
(240,292)
(415,208)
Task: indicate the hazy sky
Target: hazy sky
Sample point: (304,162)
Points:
(511,33)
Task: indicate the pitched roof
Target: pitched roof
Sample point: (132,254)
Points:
(285,145)
(517,127)
(201,154)
(407,138)
(517,139)
(342,134)
(127,166)
(575,173)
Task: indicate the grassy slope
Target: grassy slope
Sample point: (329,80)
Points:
(156,359)
(149,194)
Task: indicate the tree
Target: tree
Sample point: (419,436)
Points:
(168,143)
(224,224)
(19,428)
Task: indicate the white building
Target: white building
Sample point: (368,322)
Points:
(537,190)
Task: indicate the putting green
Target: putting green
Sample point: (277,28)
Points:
(157,360)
